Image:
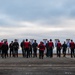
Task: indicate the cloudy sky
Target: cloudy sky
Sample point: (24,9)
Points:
(37,19)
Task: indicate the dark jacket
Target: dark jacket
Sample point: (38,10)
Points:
(5,47)
(15,45)
(64,46)
(34,45)
(11,45)
(22,44)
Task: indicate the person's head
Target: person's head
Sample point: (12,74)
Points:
(50,39)
(35,41)
(11,41)
(41,42)
(47,41)
(71,40)
(26,39)
(15,40)
(58,40)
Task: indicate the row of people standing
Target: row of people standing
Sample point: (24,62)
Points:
(28,48)
(64,48)
(59,47)
(4,47)
(14,46)
(49,48)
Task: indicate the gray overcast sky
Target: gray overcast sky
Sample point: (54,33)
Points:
(37,19)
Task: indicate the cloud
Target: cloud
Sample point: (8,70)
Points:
(33,30)
(37,19)
(36,10)
(32,10)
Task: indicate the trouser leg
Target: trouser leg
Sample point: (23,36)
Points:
(0,51)
(2,54)
(57,53)
(42,54)
(27,52)
(47,53)
(10,53)
(7,53)
(35,53)
(64,53)
(39,54)
(23,52)
(51,52)
(17,53)
(71,53)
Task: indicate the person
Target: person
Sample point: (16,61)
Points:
(30,49)
(47,49)
(15,48)
(1,43)
(23,50)
(11,48)
(7,50)
(64,46)
(51,46)
(41,47)
(58,49)
(35,45)
(4,49)
(26,46)
(72,47)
